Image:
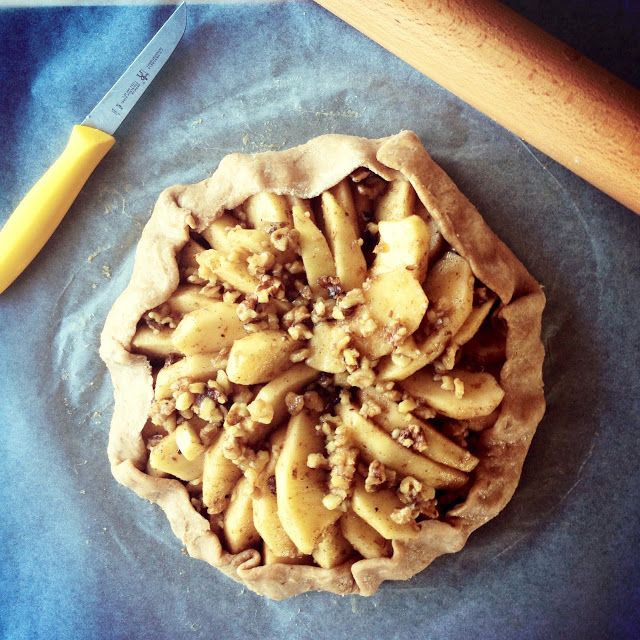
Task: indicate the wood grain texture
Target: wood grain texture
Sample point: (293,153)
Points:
(526,80)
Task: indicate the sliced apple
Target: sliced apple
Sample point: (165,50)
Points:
(332,549)
(376,444)
(482,393)
(216,233)
(188,298)
(363,537)
(219,477)
(259,357)
(209,329)
(396,296)
(265,209)
(316,255)
(214,266)
(265,505)
(166,458)
(197,368)
(376,509)
(397,202)
(343,234)
(274,393)
(325,350)
(300,490)
(404,244)
(438,447)
(239,530)
(153,344)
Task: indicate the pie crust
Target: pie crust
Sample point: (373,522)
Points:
(306,171)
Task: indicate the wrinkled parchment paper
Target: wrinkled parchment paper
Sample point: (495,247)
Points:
(83,557)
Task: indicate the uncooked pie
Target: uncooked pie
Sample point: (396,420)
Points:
(327,368)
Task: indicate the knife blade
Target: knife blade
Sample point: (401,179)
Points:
(40,212)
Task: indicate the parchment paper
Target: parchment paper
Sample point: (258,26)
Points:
(83,557)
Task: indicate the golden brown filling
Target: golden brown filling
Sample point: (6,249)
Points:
(322,373)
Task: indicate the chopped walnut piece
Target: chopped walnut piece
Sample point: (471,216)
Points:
(160,318)
(261,411)
(364,376)
(283,238)
(351,299)
(458,388)
(332,284)
(269,287)
(378,475)
(231,296)
(259,263)
(299,332)
(162,414)
(370,409)
(404,515)
(411,437)
(446,383)
(317,461)
(294,402)
(395,333)
(313,401)
(342,460)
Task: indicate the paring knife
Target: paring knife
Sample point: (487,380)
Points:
(42,209)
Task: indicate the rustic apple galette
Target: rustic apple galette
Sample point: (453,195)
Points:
(327,368)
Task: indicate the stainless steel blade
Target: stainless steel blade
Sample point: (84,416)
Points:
(109,113)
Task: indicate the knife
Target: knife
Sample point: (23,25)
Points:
(42,209)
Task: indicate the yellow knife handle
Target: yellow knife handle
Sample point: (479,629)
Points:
(42,209)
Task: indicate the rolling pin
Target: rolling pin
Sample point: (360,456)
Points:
(526,80)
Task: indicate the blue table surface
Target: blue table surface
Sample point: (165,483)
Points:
(81,557)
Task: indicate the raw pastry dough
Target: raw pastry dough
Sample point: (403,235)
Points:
(306,172)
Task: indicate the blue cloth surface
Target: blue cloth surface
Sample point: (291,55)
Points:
(83,557)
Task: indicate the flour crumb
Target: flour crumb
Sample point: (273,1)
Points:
(245,139)
(197,122)
(106,271)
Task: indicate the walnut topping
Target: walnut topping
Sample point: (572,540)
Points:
(317,461)
(160,318)
(395,333)
(260,411)
(363,376)
(351,299)
(332,284)
(418,500)
(378,475)
(294,402)
(283,238)
(299,332)
(342,461)
(411,437)
(370,409)
(269,287)
(259,263)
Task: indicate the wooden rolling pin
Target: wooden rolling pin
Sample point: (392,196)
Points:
(531,83)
